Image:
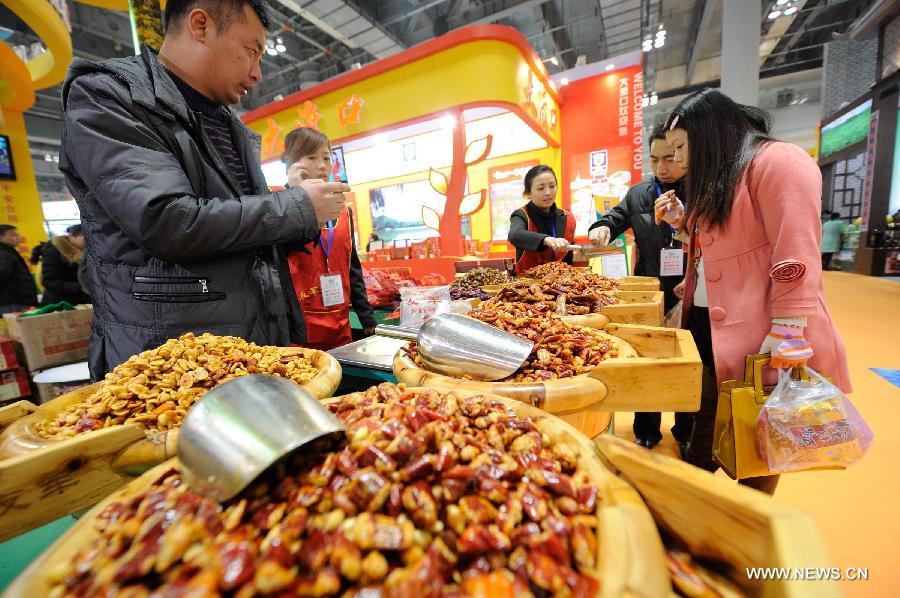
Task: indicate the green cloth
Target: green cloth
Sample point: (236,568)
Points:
(48,309)
(20,551)
(832,233)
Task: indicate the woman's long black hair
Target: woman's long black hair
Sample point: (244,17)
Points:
(723,139)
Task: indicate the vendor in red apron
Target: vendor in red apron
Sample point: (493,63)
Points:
(326,273)
(540,231)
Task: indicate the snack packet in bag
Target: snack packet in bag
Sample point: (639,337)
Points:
(417,304)
(673,318)
(807,424)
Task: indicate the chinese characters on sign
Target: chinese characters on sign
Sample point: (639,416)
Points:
(9,215)
(623,107)
(349,110)
(308,115)
(637,138)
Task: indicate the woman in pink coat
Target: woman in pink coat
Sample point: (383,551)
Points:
(754,279)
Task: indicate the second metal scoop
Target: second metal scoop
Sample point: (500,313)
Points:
(459,346)
(241,428)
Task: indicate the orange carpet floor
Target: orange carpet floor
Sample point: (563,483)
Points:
(857,509)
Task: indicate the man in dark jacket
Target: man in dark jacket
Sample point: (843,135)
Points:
(17,290)
(181,232)
(636,212)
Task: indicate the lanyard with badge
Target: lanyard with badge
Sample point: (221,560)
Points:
(332,285)
(671,258)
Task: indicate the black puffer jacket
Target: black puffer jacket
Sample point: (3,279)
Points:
(171,243)
(59,273)
(16,283)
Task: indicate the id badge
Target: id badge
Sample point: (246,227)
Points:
(332,289)
(671,262)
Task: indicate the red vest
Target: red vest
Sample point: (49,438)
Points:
(326,327)
(531,259)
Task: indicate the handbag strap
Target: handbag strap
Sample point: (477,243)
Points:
(753,374)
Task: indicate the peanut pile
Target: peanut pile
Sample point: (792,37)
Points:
(156,388)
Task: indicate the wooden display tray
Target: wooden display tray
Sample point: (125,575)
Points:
(717,519)
(665,376)
(638,283)
(15,411)
(630,552)
(46,479)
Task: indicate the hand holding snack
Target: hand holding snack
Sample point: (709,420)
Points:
(668,208)
(557,244)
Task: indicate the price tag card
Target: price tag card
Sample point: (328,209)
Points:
(614,265)
(671,262)
(332,290)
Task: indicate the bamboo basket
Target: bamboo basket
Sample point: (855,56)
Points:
(47,478)
(722,521)
(630,552)
(659,370)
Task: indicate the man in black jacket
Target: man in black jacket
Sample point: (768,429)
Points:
(17,290)
(636,212)
(181,232)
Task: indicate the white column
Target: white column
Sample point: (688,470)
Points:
(740,50)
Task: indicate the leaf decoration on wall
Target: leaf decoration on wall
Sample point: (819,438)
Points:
(472,202)
(479,150)
(431,218)
(438,181)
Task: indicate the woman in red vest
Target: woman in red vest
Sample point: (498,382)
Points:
(326,273)
(540,231)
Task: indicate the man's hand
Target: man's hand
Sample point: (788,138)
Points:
(296,174)
(679,290)
(327,198)
(557,244)
(599,235)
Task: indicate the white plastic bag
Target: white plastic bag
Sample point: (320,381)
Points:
(808,424)
(673,318)
(420,303)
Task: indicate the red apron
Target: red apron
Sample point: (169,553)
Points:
(326,327)
(531,259)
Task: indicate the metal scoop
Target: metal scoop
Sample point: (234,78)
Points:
(458,345)
(241,428)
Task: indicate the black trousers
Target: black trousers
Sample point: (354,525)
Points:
(646,425)
(701,451)
(826,260)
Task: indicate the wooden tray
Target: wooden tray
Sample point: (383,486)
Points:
(15,411)
(47,479)
(630,551)
(717,519)
(664,377)
(638,283)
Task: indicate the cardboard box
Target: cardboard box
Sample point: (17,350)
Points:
(8,359)
(52,339)
(14,385)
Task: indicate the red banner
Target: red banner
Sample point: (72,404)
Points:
(602,122)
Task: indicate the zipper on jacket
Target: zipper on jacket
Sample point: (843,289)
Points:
(203,287)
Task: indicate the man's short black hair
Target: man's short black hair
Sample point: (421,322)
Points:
(221,11)
(5,228)
(659,132)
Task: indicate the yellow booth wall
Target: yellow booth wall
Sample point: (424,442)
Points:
(20,204)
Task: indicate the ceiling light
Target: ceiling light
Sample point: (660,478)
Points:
(278,97)
(610,66)
(553,60)
(279,40)
(661,33)
(782,2)
(356,66)
(280,48)
(659,43)
(56,158)
(563,81)
(271,51)
(790,11)
(654,99)
(645,101)
(774,15)
(48,157)
(647,45)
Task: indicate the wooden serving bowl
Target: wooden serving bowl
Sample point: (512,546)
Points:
(49,478)
(630,552)
(658,369)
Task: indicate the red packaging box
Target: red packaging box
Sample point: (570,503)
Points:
(14,385)
(8,359)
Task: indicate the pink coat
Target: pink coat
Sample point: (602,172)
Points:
(765,263)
